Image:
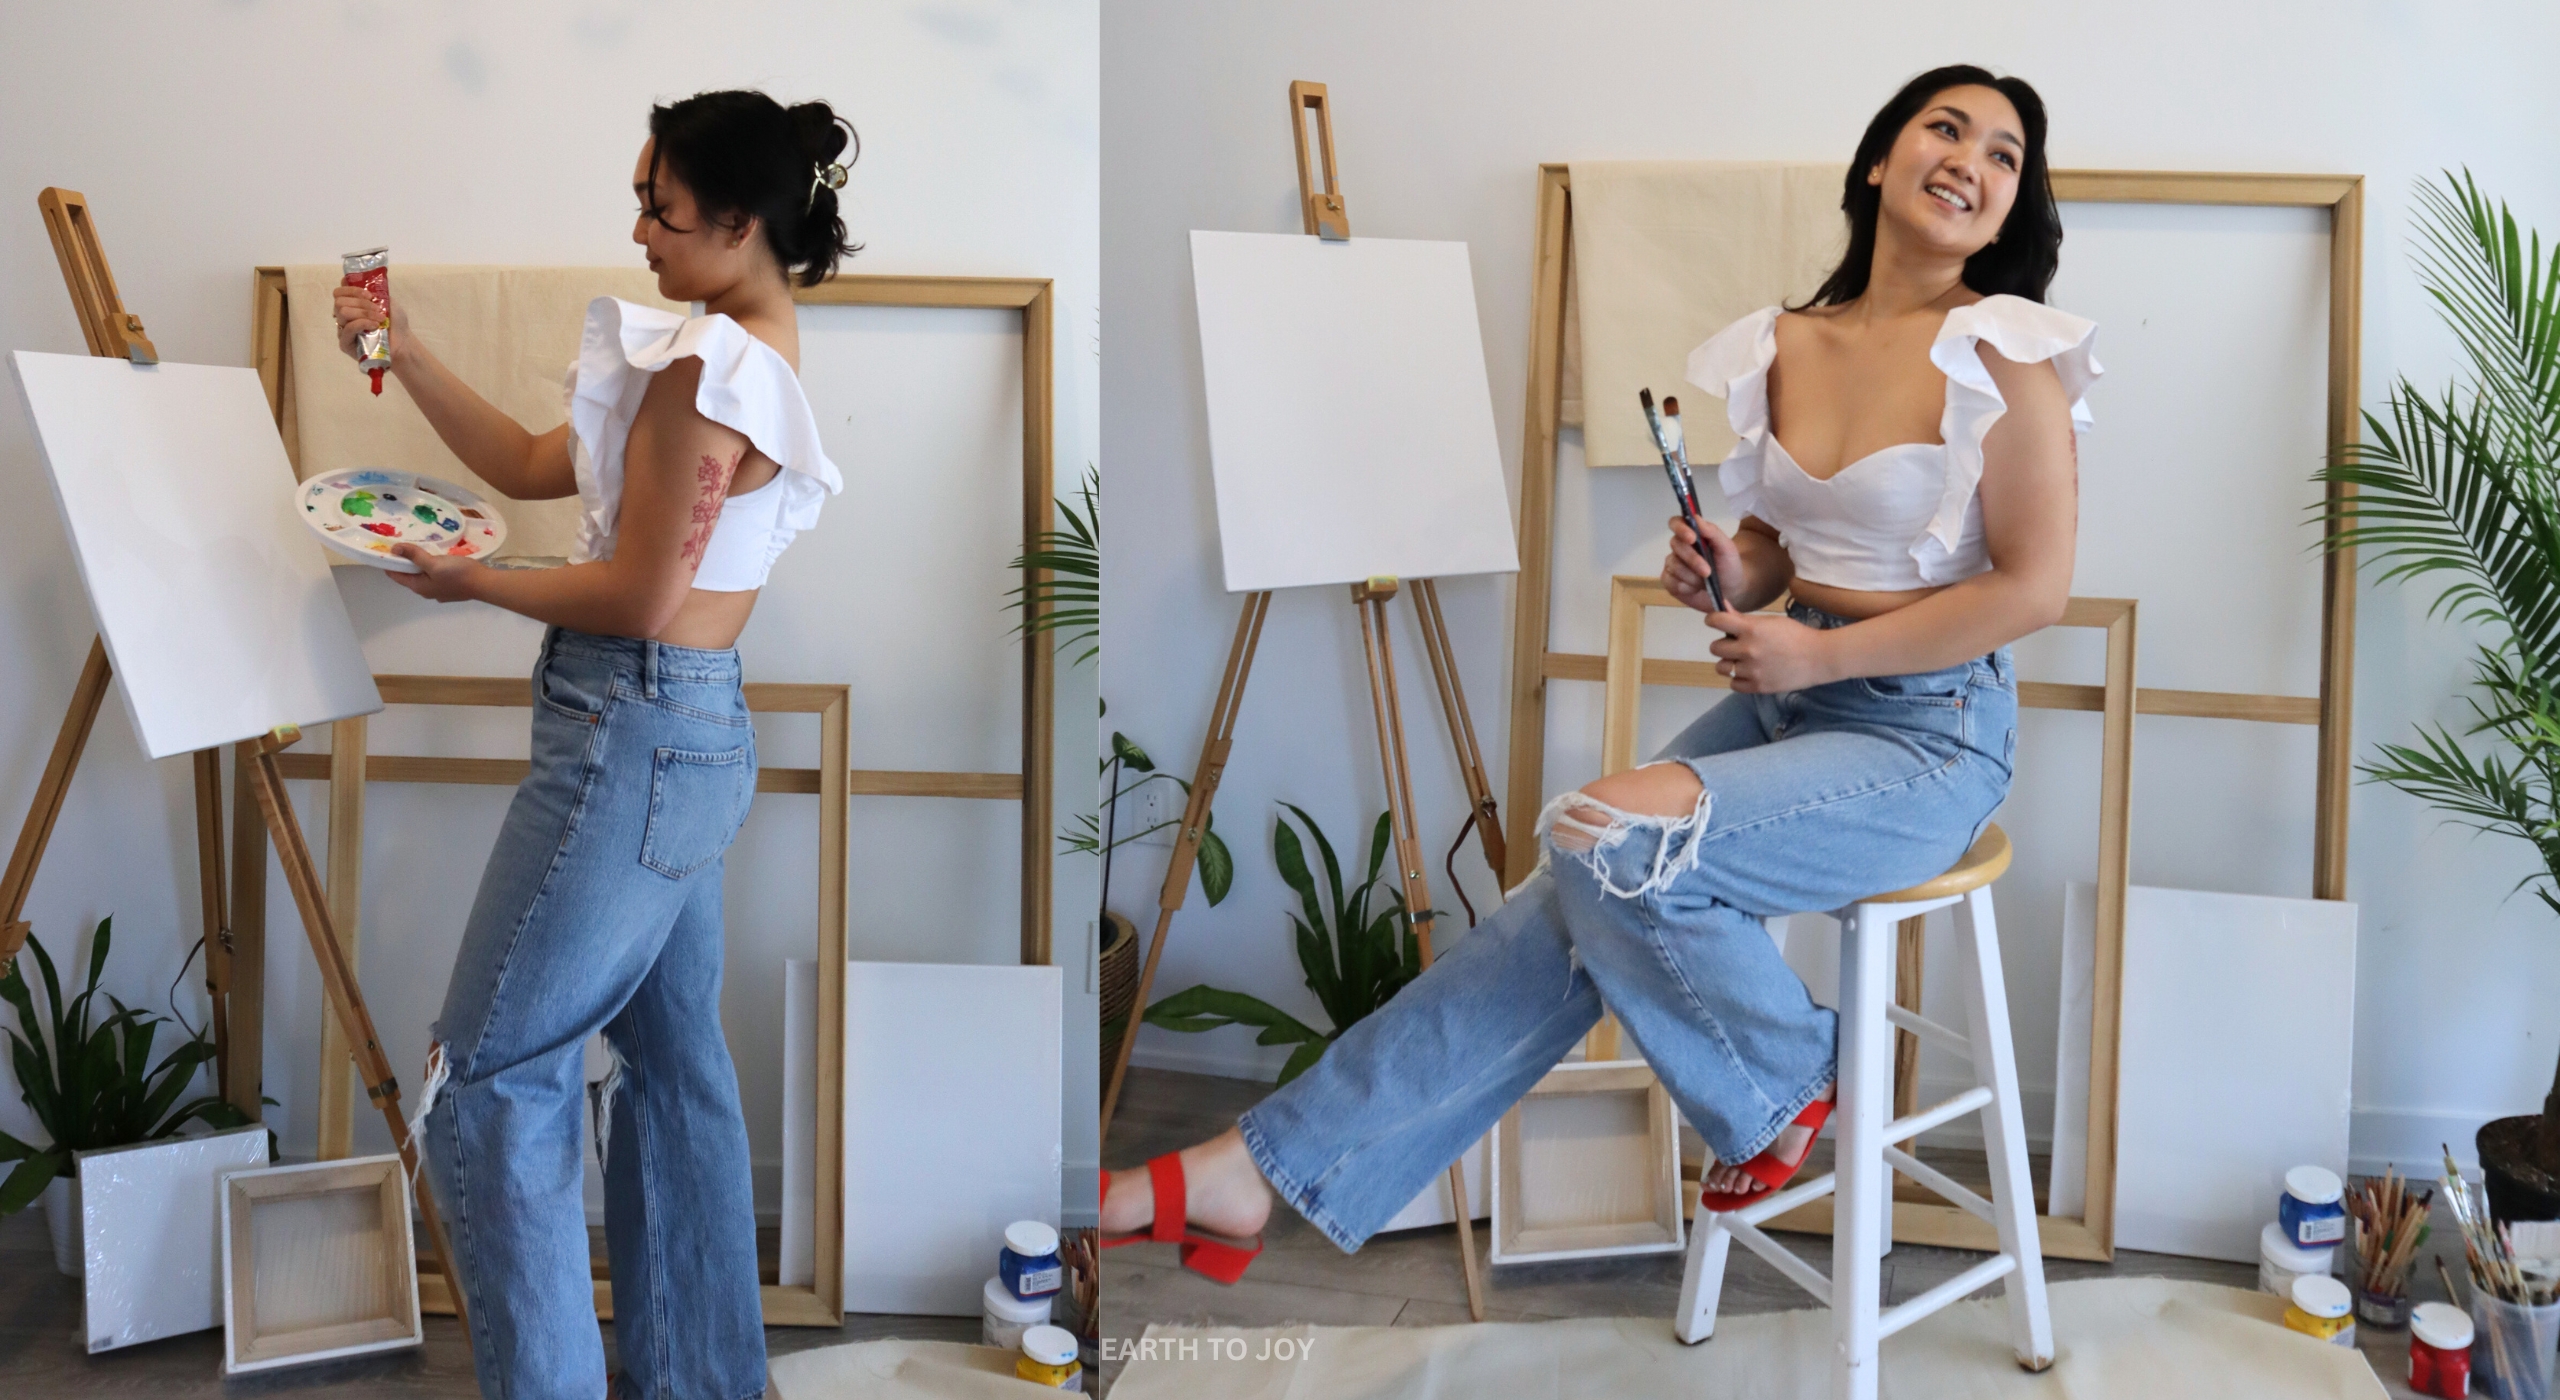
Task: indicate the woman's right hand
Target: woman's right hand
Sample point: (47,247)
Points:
(1684,571)
(357,311)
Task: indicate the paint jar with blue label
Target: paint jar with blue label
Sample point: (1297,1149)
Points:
(1029,1263)
(2312,1209)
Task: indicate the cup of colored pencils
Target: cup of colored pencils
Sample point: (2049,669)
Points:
(2517,1310)
(2386,1222)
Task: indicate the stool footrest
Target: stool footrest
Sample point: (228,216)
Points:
(1781,1258)
(1928,1030)
(1768,1207)
(1905,1129)
(1895,1319)
(1940,1182)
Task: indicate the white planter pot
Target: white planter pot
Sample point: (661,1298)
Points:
(62,1212)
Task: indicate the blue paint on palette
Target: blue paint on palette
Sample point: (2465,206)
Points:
(372,478)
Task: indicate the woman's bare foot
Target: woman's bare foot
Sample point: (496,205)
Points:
(1794,1140)
(1228,1194)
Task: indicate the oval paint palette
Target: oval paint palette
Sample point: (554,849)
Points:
(362,512)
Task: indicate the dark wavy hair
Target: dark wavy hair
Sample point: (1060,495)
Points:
(746,156)
(2020,262)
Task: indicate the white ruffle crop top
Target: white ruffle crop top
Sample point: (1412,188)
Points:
(746,386)
(1906,516)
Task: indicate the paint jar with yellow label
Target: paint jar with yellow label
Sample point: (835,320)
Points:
(1049,1358)
(2322,1308)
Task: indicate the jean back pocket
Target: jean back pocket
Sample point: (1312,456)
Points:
(696,803)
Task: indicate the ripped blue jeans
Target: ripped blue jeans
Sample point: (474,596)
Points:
(1812,800)
(600,911)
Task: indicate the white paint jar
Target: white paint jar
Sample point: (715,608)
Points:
(1007,1317)
(2281,1261)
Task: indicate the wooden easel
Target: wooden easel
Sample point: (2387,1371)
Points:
(1324,216)
(113,331)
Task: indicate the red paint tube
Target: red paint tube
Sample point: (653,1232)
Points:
(371,270)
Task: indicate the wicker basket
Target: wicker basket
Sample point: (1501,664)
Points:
(1119,983)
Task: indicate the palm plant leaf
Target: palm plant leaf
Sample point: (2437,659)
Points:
(1069,598)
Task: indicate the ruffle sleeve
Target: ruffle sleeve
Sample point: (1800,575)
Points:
(2024,332)
(746,386)
(1734,366)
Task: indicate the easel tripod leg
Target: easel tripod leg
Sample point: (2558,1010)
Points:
(86,696)
(1370,601)
(1195,819)
(209,885)
(1462,726)
(346,999)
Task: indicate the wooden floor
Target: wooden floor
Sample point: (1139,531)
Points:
(1411,1278)
(42,1356)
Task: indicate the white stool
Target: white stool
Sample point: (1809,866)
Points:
(1867,1148)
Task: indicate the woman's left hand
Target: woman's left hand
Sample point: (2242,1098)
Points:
(1765,654)
(440,577)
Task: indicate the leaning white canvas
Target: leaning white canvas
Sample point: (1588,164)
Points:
(954,1116)
(2236,1061)
(799,1262)
(150,1235)
(217,608)
(1350,423)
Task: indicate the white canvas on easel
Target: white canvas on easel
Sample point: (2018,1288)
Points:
(2236,1060)
(219,615)
(1350,423)
(953,1120)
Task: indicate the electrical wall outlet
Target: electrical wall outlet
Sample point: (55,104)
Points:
(1160,807)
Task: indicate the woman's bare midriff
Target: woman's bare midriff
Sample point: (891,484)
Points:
(1856,604)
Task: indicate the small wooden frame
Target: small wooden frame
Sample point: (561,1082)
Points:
(1533,665)
(1620,1153)
(317,1263)
(2092,1235)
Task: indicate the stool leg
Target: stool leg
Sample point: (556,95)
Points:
(1702,1281)
(2004,1135)
(1860,1200)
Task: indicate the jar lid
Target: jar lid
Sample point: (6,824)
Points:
(2321,1296)
(1003,1306)
(2442,1326)
(2313,1186)
(1030,1238)
(1050,1346)
(2278,1248)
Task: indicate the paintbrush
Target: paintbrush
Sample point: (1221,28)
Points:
(1667,436)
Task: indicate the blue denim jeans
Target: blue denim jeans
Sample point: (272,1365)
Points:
(600,911)
(1812,800)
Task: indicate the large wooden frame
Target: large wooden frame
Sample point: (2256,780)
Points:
(1533,665)
(1927,1221)
(348,766)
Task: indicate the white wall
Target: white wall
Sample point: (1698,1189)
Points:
(244,134)
(2208,429)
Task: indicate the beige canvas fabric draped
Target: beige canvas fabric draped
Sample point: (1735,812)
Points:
(1665,254)
(509,332)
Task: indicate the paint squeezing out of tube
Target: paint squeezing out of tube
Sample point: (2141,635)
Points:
(371,270)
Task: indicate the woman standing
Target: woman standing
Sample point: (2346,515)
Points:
(695,459)
(1920,512)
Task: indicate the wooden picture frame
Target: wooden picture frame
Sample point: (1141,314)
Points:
(1533,665)
(1521,1198)
(2092,1234)
(352,1285)
(348,767)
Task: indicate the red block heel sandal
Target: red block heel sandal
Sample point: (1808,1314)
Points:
(1210,1256)
(1769,1169)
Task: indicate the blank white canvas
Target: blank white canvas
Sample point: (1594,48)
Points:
(149,1235)
(953,1127)
(2236,1061)
(216,603)
(1350,422)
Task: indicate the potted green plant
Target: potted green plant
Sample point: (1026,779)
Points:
(2460,490)
(1355,955)
(90,1084)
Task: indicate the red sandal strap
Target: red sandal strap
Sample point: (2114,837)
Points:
(1173,1198)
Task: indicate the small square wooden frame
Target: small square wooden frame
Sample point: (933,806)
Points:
(1657,1230)
(246,1344)
(2092,1235)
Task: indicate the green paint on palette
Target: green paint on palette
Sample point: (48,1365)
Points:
(425,513)
(357,503)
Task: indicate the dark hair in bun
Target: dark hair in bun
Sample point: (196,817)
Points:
(746,156)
